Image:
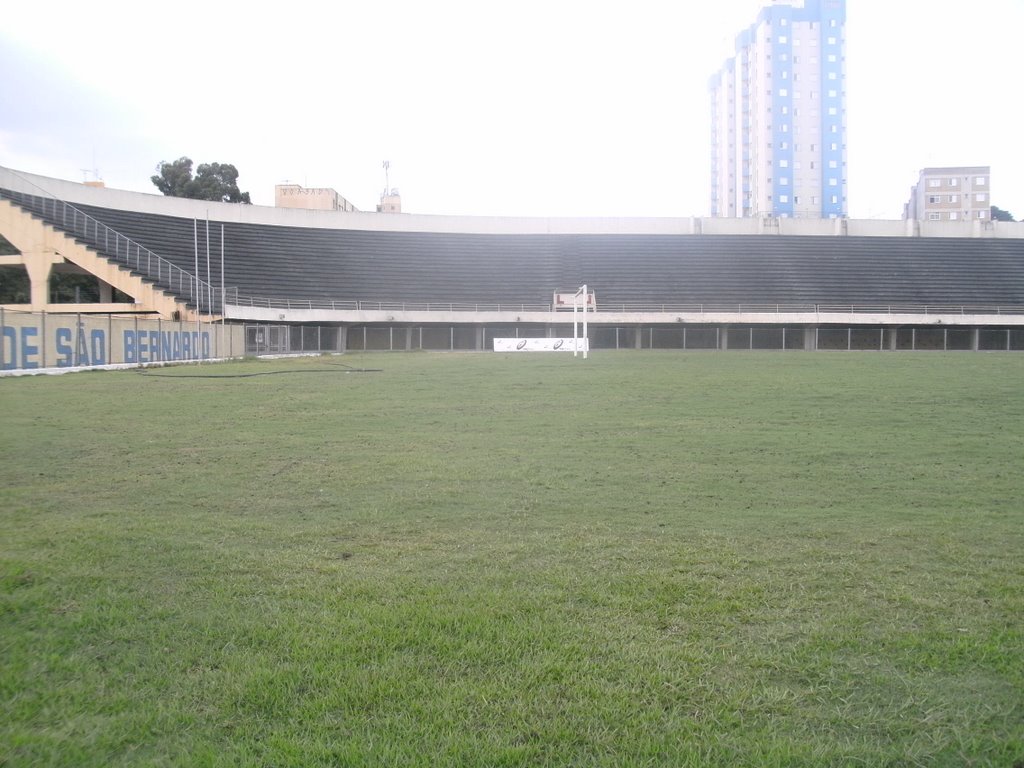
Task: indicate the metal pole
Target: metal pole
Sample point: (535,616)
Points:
(209,280)
(575,339)
(223,314)
(586,344)
(195,293)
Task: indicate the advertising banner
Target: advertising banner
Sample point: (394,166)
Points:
(541,345)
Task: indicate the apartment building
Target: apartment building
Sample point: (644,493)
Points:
(959,193)
(778,115)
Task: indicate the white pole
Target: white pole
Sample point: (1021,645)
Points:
(575,341)
(586,344)
(198,296)
(222,313)
(209,279)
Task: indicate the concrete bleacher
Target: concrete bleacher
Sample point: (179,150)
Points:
(325,264)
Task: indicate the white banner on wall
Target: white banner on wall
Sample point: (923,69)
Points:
(540,345)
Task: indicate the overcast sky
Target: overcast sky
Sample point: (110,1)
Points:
(526,108)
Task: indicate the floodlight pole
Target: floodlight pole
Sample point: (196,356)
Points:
(197,295)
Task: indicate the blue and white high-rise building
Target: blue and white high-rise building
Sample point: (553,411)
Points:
(778,115)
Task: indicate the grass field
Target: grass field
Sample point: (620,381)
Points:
(642,559)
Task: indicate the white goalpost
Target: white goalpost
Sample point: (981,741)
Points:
(580,300)
(581,294)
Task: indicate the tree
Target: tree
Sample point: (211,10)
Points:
(212,181)
(998,214)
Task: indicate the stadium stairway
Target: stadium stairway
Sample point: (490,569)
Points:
(155,283)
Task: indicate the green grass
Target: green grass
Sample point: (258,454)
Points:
(642,559)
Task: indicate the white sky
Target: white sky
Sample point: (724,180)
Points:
(525,108)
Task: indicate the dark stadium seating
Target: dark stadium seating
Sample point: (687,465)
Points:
(714,270)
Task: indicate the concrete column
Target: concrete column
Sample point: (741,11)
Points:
(893,333)
(106,292)
(975,339)
(809,339)
(723,337)
(638,339)
(479,338)
(38,266)
(408,338)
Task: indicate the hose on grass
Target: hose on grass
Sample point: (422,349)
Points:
(346,369)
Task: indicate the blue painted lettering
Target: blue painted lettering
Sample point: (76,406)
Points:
(140,346)
(130,355)
(99,347)
(9,360)
(65,355)
(82,346)
(29,350)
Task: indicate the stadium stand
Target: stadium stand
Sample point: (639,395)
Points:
(644,277)
(712,270)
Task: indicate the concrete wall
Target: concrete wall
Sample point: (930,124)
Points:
(32,340)
(73,192)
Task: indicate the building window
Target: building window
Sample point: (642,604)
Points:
(783,198)
(953,182)
(832,58)
(981,214)
(980,197)
(934,183)
(783,39)
(831,41)
(832,93)
(952,215)
(831,75)
(783,163)
(832,182)
(954,198)
(783,92)
(833,146)
(934,198)
(934,216)
(980,181)
(832,111)
(834,199)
